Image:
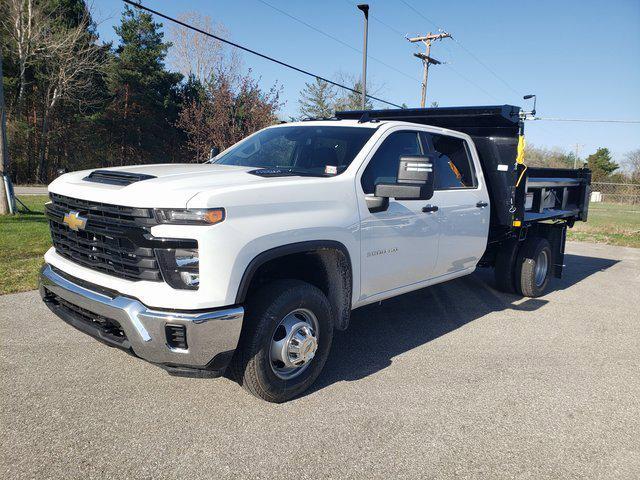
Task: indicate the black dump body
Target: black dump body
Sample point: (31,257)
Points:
(542,193)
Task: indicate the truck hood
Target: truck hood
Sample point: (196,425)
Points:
(172,184)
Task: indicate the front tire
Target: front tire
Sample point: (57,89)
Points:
(533,267)
(285,341)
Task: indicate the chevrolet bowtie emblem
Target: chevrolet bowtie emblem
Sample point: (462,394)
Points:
(74,221)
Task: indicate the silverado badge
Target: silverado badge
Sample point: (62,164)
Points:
(74,221)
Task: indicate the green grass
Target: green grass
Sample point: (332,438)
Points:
(23,240)
(25,237)
(609,223)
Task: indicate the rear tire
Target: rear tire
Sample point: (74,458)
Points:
(533,267)
(293,319)
(505,265)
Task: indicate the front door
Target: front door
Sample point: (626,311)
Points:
(399,246)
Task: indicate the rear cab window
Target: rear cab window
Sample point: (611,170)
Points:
(453,166)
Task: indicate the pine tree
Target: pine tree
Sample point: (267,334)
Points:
(317,100)
(352,100)
(145,95)
(600,163)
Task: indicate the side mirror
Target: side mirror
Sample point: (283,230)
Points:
(415,180)
(62,171)
(214,152)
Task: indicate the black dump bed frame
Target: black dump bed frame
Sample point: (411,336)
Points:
(540,195)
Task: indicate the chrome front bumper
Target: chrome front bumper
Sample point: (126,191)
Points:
(212,336)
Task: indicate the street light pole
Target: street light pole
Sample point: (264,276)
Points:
(365,9)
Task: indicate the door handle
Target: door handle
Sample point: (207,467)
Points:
(482,204)
(430,208)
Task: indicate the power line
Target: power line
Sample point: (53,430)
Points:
(471,82)
(588,120)
(420,13)
(469,52)
(487,67)
(404,35)
(466,79)
(336,39)
(254,52)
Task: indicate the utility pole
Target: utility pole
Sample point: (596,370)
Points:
(577,147)
(427,59)
(365,9)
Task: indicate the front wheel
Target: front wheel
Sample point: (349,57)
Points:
(285,341)
(533,267)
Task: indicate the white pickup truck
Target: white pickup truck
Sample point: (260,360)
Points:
(249,262)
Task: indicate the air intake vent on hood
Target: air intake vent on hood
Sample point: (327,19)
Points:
(114,177)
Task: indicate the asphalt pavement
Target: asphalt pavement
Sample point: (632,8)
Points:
(454,381)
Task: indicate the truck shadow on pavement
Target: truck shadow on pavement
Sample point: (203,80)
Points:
(380,332)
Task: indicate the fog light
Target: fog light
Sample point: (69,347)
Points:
(180,267)
(190,279)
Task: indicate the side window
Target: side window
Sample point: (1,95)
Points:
(383,166)
(453,166)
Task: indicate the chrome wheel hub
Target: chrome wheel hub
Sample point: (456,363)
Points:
(542,264)
(294,344)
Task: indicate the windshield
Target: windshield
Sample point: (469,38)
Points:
(309,150)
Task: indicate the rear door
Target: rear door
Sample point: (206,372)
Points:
(462,200)
(399,246)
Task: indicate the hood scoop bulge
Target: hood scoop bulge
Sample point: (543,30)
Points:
(114,177)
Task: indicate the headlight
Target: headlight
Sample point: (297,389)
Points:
(180,267)
(195,216)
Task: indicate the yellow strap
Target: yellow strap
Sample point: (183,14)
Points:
(520,157)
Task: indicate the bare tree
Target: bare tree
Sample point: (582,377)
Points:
(547,158)
(193,53)
(64,59)
(231,110)
(4,153)
(632,165)
(348,100)
(25,24)
(70,61)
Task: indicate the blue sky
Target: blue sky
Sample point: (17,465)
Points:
(582,58)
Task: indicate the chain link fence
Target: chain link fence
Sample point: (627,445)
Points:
(625,193)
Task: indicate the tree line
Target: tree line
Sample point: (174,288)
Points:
(73,101)
(600,162)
